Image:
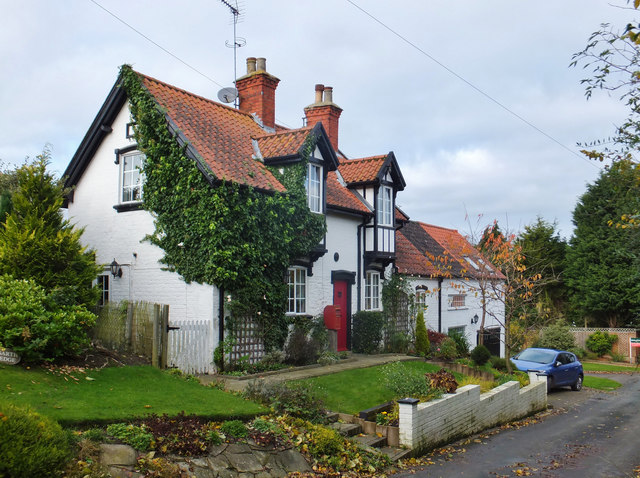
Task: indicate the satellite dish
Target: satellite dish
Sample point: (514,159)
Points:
(227,95)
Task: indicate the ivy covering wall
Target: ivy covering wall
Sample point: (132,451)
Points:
(232,236)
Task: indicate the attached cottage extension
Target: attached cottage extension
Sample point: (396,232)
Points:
(448,275)
(355,196)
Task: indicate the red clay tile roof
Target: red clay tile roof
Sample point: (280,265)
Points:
(223,138)
(341,197)
(445,250)
(361,170)
(221,135)
(409,260)
(283,143)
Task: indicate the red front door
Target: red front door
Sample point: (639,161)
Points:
(340,288)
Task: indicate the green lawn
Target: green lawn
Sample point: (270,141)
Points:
(598,383)
(117,393)
(352,391)
(606,367)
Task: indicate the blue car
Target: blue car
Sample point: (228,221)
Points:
(561,368)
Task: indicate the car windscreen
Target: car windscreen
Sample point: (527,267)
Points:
(539,356)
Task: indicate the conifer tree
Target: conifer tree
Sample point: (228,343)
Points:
(423,348)
(38,243)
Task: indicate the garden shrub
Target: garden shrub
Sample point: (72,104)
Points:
(500,364)
(308,339)
(442,380)
(435,337)
(296,399)
(462,343)
(423,348)
(480,355)
(37,327)
(325,441)
(367,331)
(234,428)
(405,382)
(557,336)
(445,350)
(30,444)
(601,343)
(136,436)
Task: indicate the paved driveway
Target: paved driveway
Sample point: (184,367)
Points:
(587,434)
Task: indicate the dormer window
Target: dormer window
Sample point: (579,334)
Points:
(384,207)
(132,177)
(314,187)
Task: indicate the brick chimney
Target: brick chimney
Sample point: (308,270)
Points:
(257,91)
(325,111)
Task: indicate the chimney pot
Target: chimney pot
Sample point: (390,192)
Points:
(261,64)
(319,90)
(251,65)
(328,94)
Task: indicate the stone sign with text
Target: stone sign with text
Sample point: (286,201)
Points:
(8,357)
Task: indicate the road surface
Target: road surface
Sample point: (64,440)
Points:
(587,434)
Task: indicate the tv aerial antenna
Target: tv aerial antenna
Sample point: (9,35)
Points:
(228,95)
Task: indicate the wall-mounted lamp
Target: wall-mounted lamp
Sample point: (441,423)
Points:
(474,319)
(116,270)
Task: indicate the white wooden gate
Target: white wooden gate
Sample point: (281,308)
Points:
(191,346)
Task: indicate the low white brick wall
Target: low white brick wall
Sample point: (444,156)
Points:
(426,425)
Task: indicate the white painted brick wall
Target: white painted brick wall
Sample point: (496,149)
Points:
(458,317)
(425,425)
(120,236)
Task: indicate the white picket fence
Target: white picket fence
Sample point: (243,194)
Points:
(191,346)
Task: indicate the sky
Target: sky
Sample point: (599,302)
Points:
(476,99)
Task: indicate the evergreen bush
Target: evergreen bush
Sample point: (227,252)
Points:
(557,336)
(36,326)
(423,347)
(30,444)
(601,343)
(367,331)
(480,355)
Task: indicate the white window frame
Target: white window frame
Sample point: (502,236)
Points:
(372,291)
(297,295)
(454,301)
(458,328)
(421,301)
(131,178)
(385,206)
(313,185)
(103,285)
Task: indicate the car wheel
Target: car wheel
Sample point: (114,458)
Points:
(577,386)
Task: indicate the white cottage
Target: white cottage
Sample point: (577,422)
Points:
(357,197)
(447,276)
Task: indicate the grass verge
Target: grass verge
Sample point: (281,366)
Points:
(352,391)
(599,383)
(116,394)
(606,367)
